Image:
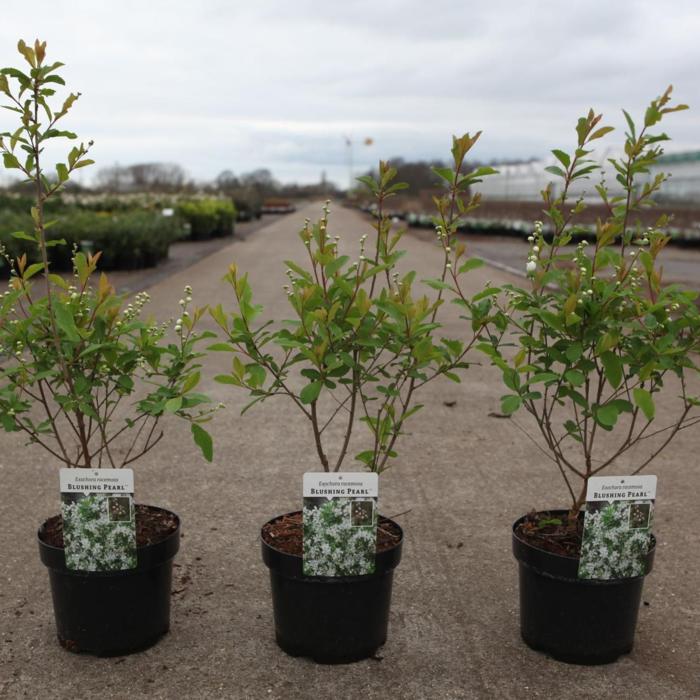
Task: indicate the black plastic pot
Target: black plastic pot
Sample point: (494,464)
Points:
(117,612)
(330,620)
(575,620)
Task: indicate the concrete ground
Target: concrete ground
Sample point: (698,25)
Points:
(182,255)
(681,265)
(463,475)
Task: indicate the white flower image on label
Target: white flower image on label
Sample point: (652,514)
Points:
(340,537)
(616,540)
(98,532)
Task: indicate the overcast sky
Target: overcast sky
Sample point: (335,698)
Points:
(216,85)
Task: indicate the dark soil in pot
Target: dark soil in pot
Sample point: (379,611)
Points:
(574,620)
(328,619)
(116,612)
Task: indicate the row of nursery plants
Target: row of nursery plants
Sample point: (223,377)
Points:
(127,240)
(207,217)
(686,236)
(587,346)
(246,204)
(217,207)
(127,236)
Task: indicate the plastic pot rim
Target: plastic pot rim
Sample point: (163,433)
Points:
(559,565)
(291,565)
(148,555)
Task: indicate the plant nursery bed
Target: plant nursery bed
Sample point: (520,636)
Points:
(286,534)
(152,526)
(550,533)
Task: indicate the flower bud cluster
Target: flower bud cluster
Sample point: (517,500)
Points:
(534,240)
(134,309)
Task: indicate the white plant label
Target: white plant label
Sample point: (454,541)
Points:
(617,526)
(340,523)
(99,525)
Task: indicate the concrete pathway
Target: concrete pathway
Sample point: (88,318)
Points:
(463,475)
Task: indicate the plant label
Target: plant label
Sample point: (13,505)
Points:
(99,525)
(617,526)
(340,523)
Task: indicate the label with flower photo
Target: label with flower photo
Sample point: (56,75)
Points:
(99,524)
(617,527)
(340,523)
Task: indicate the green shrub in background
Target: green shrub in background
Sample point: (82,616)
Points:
(127,240)
(207,217)
(248,203)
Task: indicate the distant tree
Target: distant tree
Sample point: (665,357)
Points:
(143,177)
(226,181)
(418,174)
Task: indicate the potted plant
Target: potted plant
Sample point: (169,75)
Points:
(361,344)
(86,378)
(597,340)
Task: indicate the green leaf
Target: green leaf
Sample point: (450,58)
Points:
(10,160)
(336,264)
(203,441)
(310,392)
(445,173)
(368,181)
(58,281)
(55,79)
(606,415)
(227,379)
(643,399)
(599,133)
(555,170)
(613,368)
(32,270)
(479,173)
(607,341)
(574,377)
(510,404)
(257,375)
(365,457)
(299,270)
(437,284)
(562,157)
(173,405)
(191,382)
(488,292)
(23,236)
(66,322)
(511,379)
(471,264)
(573,352)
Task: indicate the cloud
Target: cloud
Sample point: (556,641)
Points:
(215,85)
